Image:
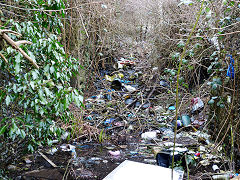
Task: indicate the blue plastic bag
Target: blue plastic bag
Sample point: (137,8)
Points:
(230,71)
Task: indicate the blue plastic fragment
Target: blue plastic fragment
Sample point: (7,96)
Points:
(109,121)
(108,96)
(230,71)
(89,118)
(84,146)
(94,97)
(179,123)
(171,108)
(125,81)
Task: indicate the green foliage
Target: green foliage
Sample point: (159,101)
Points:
(33,100)
(101,136)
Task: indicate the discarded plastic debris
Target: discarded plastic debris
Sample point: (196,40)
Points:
(164,83)
(100,101)
(221,177)
(197,154)
(95,159)
(105,161)
(115,76)
(230,71)
(108,121)
(52,150)
(108,95)
(179,123)
(154,69)
(197,104)
(164,159)
(27,161)
(172,108)
(129,170)
(130,127)
(69,148)
(116,84)
(129,101)
(126,62)
(73,153)
(186,120)
(118,124)
(198,123)
(202,149)
(216,168)
(179,149)
(88,117)
(149,135)
(114,153)
(125,81)
(205,162)
(146,105)
(94,97)
(137,104)
(130,88)
(65,135)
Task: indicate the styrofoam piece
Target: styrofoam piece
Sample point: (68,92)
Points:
(130,170)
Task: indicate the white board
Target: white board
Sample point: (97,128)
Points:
(130,170)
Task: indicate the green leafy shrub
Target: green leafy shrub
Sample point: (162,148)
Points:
(34,101)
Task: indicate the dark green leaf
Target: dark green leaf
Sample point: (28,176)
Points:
(3,129)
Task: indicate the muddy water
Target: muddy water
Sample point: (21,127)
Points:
(97,159)
(90,161)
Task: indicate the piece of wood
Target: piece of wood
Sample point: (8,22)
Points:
(48,160)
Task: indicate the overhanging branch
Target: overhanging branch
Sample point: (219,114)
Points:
(16,45)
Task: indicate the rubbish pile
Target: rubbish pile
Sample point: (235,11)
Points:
(132,116)
(135,101)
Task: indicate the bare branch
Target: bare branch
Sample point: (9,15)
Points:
(2,56)
(15,45)
(18,43)
(2,31)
